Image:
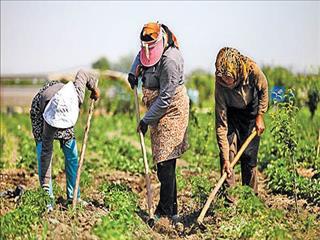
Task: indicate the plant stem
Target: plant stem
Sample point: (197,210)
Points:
(295,185)
(318,147)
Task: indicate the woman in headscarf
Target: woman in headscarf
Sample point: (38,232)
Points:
(241,99)
(161,67)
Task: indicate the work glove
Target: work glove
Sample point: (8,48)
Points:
(143,127)
(133,80)
(95,94)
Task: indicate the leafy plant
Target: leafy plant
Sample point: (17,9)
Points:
(122,218)
(18,223)
(249,218)
(200,188)
(282,170)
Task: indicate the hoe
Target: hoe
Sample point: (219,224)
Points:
(150,221)
(83,150)
(222,179)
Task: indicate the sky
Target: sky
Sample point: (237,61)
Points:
(41,37)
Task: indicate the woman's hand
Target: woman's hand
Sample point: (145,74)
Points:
(143,127)
(259,124)
(95,94)
(133,80)
(226,168)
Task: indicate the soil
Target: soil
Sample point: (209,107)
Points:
(63,225)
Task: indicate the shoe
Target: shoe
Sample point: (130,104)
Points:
(79,201)
(49,208)
(83,202)
(176,222)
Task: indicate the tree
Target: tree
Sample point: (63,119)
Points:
(202,82)
(124,63)
(101,64)
(313,100)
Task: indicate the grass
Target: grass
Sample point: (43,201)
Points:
(110,148)
(200,188)
(18,223)
(122,221)
(249,218)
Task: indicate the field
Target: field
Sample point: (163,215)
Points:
(112,179)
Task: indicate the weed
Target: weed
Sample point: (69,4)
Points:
(17,223)
(122,220)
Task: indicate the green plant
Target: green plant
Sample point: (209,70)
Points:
(249,218)
(122,218)
(281,171)
(203,153)
(101,64)
(17,223)
(284,133)
(200,188)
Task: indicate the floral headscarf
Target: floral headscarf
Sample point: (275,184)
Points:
(230,62)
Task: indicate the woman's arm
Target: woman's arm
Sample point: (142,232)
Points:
(136,62)
(169,80)
(221,123)
(84,79)
(263,98)
(262,87)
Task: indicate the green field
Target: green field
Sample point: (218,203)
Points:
(112,179)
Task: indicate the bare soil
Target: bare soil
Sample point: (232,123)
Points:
(62,223)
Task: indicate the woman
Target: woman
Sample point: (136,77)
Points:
(241,99)
(54,112)
(160,65)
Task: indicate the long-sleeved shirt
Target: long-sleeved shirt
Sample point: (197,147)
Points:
(164,76)
(238,97)
(82,80)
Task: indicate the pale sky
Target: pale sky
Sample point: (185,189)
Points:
(40,37)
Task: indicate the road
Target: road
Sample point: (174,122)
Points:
(17,95)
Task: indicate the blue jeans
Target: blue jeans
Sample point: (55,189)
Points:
(71,165)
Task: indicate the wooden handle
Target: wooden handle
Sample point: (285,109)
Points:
(318,147)
(83,150)
(144,154)
(224,176)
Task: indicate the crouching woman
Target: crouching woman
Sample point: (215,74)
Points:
(241,100)
(54,112)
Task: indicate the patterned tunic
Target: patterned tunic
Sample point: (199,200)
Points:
(169,139)
(167,101)
(37,118)
(83,79)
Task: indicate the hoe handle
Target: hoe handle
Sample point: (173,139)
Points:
(144,154)
(224,176)
(83,150)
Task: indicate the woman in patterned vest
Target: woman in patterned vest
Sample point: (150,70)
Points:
(161,68)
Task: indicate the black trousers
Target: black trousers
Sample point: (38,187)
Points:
(240,125)
(248,162)
(166,172)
